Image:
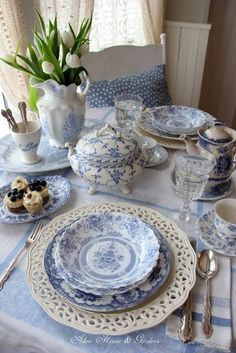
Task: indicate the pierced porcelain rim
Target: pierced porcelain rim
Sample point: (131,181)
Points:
(148,314)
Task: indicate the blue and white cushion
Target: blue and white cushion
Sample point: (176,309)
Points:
(149,84)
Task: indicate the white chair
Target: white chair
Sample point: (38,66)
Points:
(118,61)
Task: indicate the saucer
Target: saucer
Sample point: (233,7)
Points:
(207,196)
(52,158)
(159,156)
(59,189)
(211,237)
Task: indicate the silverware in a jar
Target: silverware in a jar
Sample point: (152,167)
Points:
(185,331)
(206,268)
(23,107)
(39,225)
(10,119)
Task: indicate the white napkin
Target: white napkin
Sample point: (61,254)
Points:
(220,291)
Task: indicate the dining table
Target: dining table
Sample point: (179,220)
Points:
(25,327)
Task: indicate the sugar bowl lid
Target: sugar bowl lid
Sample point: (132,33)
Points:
(106,144)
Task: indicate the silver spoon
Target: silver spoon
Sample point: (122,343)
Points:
(22,107)
(206,268)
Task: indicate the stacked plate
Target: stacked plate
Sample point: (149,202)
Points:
(168,123)
(107,261)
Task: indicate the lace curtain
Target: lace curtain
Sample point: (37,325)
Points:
(119,22)
(12,26)
(115,22)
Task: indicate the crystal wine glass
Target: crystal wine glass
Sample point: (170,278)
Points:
(191,176)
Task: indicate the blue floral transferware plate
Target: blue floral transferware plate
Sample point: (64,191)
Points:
(218,193)
(178,120)
(59,191)
(115,302)
(52,158)
(107,253)
(212,238)
(145,121)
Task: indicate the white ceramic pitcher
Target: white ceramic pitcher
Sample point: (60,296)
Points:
(62,110)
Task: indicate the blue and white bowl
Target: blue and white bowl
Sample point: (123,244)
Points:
(178,120)
(107,253)
(114,302)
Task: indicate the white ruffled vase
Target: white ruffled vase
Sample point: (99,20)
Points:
(62,111)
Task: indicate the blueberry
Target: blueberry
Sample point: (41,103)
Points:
(9,194)
(43,182)
(19,196)
(36,182)
(38,188)
(13,198)
(21,191)
(32,188)
(14,191)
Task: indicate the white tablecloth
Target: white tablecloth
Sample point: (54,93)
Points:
(25,326)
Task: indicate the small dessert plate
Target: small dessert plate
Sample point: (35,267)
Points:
(212,238)
(159,156)
(59,191)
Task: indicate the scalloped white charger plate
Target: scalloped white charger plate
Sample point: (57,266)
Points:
(149,314)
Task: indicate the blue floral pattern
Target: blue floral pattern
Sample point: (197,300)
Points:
(178,120)
(106,253)
(150,84)
(52,158)
(212,238)
(31,146)
(73,126)
(59,192)
(114,302)
(148,118)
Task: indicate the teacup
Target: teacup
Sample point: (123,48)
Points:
(148,144)
(225,217)
(28,142)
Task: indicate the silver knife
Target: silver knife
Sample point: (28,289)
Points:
(185,331)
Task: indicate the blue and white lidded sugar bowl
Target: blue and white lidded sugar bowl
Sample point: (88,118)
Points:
(107,157)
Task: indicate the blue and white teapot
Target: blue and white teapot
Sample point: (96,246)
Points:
(218,144)
(107,157)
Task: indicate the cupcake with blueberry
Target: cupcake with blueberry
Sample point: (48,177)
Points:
(33,201)
(19,183)
(14,200)
(41,187)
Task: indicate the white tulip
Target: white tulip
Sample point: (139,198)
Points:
(68,39)
(21,62)
(8,57)
(60,53)
(27,53)
(47,67)
(52,34)
(72,60)
(84,49)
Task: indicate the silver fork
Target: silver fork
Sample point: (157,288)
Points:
(39,225)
